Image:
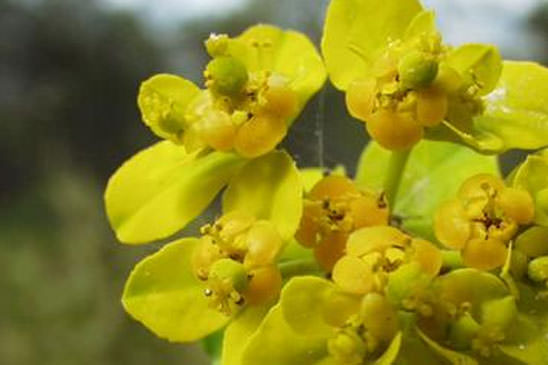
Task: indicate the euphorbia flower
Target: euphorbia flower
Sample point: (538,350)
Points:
(255,86)
(483,218)
(352,319)
(474,314)
(405,83)
(195,286)
(316,323)
(373,253)
(334,208)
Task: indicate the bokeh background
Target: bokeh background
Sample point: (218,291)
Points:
(69,74)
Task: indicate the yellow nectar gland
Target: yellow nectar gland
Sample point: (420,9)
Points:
(240,110)
(333,209)
(482,220)
(236,261)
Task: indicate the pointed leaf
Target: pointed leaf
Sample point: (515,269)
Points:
(391,353)
(162,188)
(270,188)
(433,174)
(357,31)
(452,356)
(163,294)
(276,343)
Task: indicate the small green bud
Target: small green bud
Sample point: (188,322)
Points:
(417,70)
(538,269)
(232,270)
(499,313)
(227,75)
(533,242)
(462,331)
(217,44)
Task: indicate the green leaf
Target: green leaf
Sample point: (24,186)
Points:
(288,52)
(276,343)
(163,99)
(270,188)
(413,350)
(532,175)
(163,294)
(452,356)
(527,340)
(483,61)
(516,113)
(391,353)
(517,110)
(433,174)
(162,188)
(239,331)
(357,31)
(213,345)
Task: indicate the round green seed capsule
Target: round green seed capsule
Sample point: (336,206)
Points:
(417,70)
(228,75)
(538,269)
(228,269)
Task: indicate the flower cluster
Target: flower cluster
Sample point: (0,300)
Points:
(426,256)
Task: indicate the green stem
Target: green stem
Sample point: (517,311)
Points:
(396,167)
(451,259)
(299,267)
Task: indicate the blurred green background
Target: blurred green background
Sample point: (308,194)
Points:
(69,74)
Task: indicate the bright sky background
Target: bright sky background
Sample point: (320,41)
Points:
(170,10)
(490,21)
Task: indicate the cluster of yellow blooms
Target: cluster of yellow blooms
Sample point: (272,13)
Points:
(427,256)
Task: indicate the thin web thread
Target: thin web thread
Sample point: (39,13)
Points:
(320,115)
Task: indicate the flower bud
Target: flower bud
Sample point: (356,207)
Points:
(533,242)
(227,75)
(417,70)
(462,331)
(217,44)
(538,269)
